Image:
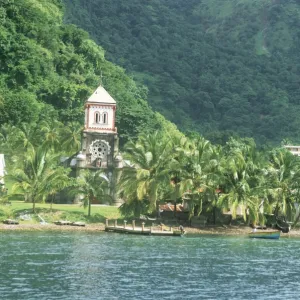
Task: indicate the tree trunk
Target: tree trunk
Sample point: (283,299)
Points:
(33,206)
(52,198)
(214,214)
(276,209)
(175,208)
(296,220)
(89,209)
(157,210)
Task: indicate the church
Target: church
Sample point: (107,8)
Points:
(100,142)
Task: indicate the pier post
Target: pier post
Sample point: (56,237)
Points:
(125,224)
(106,222)
(143,226)
(133,224)
(116,223)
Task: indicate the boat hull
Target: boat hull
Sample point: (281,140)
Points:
(273,235)
(146,231)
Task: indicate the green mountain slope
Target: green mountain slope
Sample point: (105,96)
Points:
(210,65)
(48,69)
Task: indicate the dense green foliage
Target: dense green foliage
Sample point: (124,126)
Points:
(48,70)
(92,186)
(211,65)
(237,177)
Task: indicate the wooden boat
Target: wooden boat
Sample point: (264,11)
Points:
(11,222)
(62,222)
(146,231)
(265,234)
(80,224)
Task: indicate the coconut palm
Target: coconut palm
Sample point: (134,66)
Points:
(202,166)
(8,141)
(27,134)
(56,182)
(71,136)
(52,135)
(5,133)
(179,174)
(214,170)
(283,181)
(36,171)
(92,186)
(148,174)
(243,184)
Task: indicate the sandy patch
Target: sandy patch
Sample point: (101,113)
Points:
(215,230)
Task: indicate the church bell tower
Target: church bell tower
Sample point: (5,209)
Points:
(99,138)
(100,143)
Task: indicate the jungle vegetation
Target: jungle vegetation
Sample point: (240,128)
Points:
(208,177)
(218,67)
(163,168)
(48,69)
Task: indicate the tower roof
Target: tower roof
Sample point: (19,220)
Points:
(101,96)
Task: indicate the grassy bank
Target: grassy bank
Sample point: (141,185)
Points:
(72,212)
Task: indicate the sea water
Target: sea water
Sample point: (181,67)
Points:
(51,265)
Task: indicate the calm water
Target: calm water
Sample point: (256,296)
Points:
(111,266)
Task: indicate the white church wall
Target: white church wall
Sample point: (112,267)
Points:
(2,168)
(99,124)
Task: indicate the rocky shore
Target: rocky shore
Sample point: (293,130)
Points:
(212,230)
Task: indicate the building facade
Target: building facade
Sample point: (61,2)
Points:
(295,150)
(100,142)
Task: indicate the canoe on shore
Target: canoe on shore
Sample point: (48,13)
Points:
(265,234)
(81,224)
(11,222)
(146,231)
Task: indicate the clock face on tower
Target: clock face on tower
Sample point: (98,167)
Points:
(99,149)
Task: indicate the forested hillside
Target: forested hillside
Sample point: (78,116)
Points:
(210,65)
(48,69)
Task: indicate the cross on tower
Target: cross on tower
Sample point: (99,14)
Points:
(101,78)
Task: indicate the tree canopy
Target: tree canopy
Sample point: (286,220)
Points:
(48,69)
(211,66)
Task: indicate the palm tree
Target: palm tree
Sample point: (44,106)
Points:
(27,134)
(91,186)
(178,171)
(5,133)
(36,172)
(8,141)
(56,182)
(201,164)
(71,136)
(283,181)
(52,135)
(244,184)
(149,156)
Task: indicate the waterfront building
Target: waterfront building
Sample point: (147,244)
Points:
(295,150)
(100,142)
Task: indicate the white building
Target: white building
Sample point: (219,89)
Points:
(295,150)
(100,142)
(2,168)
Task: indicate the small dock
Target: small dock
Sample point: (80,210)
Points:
(132,229)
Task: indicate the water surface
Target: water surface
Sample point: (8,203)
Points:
(46,265)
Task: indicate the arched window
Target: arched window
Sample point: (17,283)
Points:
(97,117)
(104,118)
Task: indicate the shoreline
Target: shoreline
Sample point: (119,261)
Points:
(215,230)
